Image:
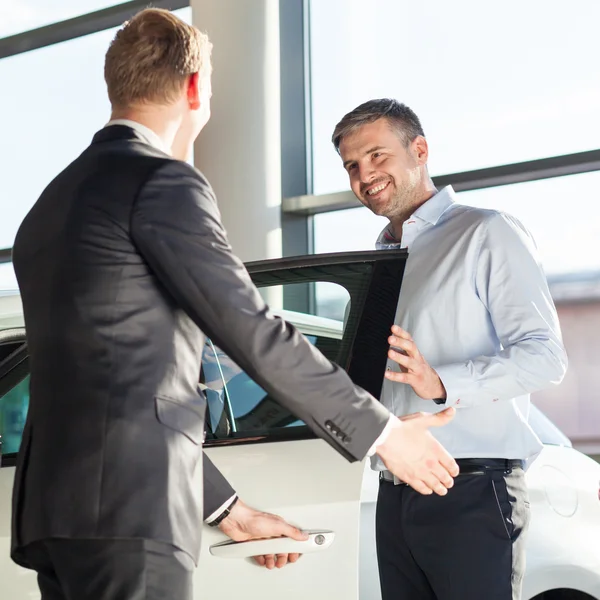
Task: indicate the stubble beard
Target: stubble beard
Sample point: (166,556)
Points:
(403,202)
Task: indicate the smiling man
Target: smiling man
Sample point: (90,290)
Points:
(476,329)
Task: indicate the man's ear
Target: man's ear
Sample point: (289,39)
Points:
(420,149)
(193,91)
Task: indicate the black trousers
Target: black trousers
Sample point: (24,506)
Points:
(128,569)
(467,545)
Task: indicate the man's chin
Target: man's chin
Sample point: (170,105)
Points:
(380,208)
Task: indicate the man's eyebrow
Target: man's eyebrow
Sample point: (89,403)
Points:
(369,151)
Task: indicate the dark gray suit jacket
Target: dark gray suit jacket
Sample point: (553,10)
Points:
(124,267)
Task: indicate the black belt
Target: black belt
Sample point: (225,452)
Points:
(472,466)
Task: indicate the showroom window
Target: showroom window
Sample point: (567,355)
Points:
(491,85)
(60,106)
(562,214)
(17,16)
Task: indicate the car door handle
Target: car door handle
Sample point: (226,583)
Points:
(317,541)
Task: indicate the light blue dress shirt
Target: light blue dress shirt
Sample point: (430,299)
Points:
(475,299)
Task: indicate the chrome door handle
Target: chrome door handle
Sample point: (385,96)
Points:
(317,541)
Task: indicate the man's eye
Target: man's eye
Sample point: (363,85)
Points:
(376,154)
(351,168)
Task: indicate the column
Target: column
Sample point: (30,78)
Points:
(240,148)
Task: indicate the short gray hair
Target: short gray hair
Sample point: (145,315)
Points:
(399,116)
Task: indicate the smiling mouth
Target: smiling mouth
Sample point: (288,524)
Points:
(374,191)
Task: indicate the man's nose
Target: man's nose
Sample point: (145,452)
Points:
(366,173)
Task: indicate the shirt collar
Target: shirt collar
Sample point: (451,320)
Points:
(149,136)
(434,208)
(428,213)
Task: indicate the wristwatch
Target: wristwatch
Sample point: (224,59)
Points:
(223,515)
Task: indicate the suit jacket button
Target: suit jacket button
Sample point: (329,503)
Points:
(329,425)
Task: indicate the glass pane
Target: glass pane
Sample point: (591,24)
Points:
(13,412)
(240,407)
(347,230)
(61,119)
(490,86)
(17,16)
(562,214)
(55,124)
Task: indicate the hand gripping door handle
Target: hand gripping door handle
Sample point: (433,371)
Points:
(317,541)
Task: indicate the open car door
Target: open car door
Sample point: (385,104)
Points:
(345,304)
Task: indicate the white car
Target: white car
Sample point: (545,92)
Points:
(277,464)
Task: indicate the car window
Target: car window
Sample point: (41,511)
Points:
(326,305)
(237,405)
(13,412)
(14,391)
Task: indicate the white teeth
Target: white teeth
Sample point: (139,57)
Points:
(377,189)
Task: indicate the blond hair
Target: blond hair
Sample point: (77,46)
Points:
(151,56)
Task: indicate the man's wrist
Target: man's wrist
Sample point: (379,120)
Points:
(218,520)
(382,436)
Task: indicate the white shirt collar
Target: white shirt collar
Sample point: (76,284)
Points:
(149,136)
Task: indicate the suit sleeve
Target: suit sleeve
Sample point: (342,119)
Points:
(176,225)
(217,489)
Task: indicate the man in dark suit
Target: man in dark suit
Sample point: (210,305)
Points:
(124,267)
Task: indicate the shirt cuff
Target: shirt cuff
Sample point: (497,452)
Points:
(219,510)
(382,437)
(457,380)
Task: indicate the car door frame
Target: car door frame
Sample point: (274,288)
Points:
(374,311)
